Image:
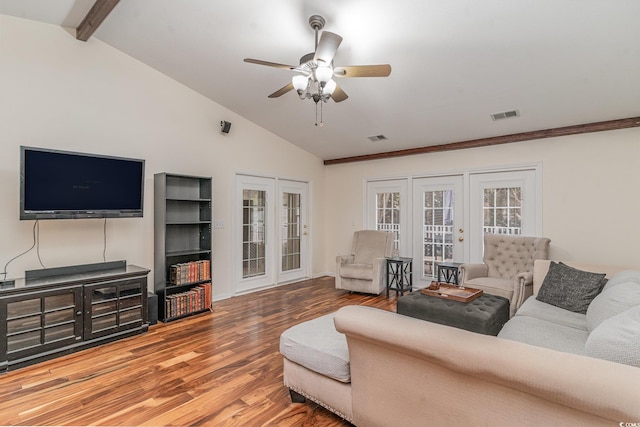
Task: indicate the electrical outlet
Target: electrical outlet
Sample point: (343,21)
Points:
(218,223)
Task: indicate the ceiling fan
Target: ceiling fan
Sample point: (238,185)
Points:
(316,69)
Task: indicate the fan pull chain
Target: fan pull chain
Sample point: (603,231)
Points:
(321,122)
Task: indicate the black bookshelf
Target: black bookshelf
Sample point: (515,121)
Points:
(182,236)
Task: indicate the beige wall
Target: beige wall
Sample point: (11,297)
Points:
(60,93)
(591,200)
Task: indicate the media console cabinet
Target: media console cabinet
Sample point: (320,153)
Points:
(57,311)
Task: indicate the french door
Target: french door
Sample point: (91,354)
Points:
(256,225)
(503,203)
(271,232)
(388,210)
(438,225)
(450,214)
(294,229)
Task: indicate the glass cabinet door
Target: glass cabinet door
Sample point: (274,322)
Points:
(114,306)
(41,321)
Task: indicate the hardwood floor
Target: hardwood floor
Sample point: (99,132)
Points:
(221,368)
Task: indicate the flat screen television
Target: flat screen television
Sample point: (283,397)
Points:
(61,185)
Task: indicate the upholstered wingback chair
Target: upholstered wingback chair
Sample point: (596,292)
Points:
(365,270)
(507,268)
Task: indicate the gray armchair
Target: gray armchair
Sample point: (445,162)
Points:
(365,270)
(507,270)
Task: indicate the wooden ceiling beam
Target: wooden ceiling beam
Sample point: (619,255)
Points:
(495,140)
(97,14)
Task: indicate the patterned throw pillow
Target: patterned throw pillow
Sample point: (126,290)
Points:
(569,288)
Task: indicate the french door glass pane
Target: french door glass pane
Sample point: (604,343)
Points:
(388,215)
(502,210)
(437,229)
(253,233)
(291,233)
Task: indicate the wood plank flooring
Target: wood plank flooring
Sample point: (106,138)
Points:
(213,369)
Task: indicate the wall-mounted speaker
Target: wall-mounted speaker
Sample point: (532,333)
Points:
(225,127)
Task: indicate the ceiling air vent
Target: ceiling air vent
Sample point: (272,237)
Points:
(377,138)
(505,115)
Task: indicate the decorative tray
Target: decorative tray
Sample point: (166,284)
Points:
(452,292)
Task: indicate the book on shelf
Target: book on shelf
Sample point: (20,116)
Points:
(189,272)
(195,299)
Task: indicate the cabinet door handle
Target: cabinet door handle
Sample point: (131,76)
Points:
(78,313)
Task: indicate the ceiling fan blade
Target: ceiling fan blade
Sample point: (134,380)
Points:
(382,70)
(282,91)
(270,64)
(338,94)
(327,47)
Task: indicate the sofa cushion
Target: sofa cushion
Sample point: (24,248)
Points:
(617,339)
(543,333)
(624,276)
(316,345)
(569,288)
(612,301)
(541,310)
(357,271)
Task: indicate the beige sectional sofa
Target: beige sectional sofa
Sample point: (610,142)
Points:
(409,372)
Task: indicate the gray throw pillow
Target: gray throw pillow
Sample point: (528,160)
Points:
(569,288)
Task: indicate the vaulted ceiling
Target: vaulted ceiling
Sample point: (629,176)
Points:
(454,63)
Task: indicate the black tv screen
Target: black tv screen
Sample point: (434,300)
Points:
(59,185)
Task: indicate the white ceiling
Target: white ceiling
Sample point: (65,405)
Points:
(454,62)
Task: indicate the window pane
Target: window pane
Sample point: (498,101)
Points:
(489,195)
(290,239)
(501,196)
(437,229)
(503,216)
(253,232)
(388,214)
(515,196)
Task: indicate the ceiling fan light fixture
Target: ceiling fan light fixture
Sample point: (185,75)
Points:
(324,74)
(300,83)
(315,72)
(329,87)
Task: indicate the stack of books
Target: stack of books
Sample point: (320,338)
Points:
(190,272)
(195,299)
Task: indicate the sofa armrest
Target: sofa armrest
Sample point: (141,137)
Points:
(345,259)
(443,374)
(340,260)
(472,271)
(380,273)
(523,289)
